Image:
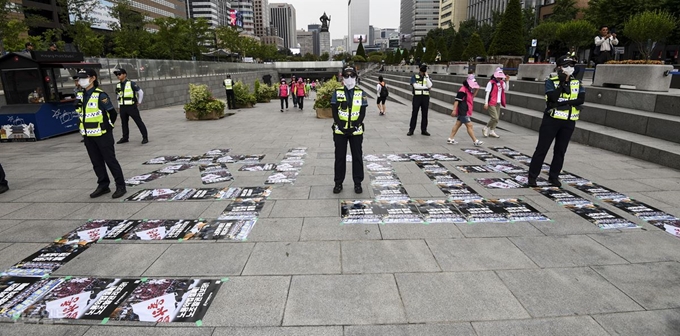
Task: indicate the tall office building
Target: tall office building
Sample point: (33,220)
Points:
(406,23)
(482,10)
(262,21)
(214,11)
(306,42)
(315,29)
(416,21)
(371,35)
(452,13)
(283,20)
(245,7)
(359,13)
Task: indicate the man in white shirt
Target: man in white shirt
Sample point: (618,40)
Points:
(605,45)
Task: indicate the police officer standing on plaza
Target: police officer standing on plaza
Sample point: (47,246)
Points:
(129,98)
(564,96)
(348,105)
(96,118)
(421,85)
(229,87)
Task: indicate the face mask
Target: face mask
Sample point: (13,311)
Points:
(568,70)
(84,82)
(350,82)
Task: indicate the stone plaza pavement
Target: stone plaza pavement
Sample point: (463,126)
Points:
(302,273)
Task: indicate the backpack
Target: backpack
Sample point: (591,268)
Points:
(383,91)
(594,52)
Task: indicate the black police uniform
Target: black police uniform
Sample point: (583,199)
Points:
(3,182)
(355,141)
(131,111)
(421,101)
(101,148)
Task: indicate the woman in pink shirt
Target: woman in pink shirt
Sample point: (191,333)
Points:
(462,109)
(284,92)
(299,91)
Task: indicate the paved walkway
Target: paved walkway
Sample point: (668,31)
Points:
(302,273)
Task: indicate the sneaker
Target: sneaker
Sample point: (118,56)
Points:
(485,132)
(451,141)
(478,143)
(337,189)
(493,134)
(281,110)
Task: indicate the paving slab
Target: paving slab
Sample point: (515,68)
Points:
(562,326)
(281,258)
(652,285)
(387,256)
(458,329)
(249,301)
(276,229)
(15,194)
(566,251)
(565,291)
(364,299)
(487,230)
(639,247)
(22,329)
(34,231)
(185,209)
(188,260)
(306,208)
(291,192)
(565,223)
(648,323)
(279,331)
(116,210)
(420,231)
(150,331)
(478,254)
(8,223)
(455,297)
(329,228)
(115,260)
(43,210)
(17,252)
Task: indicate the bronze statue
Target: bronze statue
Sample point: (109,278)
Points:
(325,22)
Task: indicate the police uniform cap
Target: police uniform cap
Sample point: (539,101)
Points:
(423,67)
(119,72)
(565,60)
(349,71)
(84,73)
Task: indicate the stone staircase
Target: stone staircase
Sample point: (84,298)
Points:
(643,125)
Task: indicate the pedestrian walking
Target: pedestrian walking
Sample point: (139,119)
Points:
(495,98)
(462,110)
(130,96)
(284,92)
(97,116)
(382,94)
(4,186)
(300,93)
(604,45)
(348,105)
(421,85)
(308,88)
(293,83)
(564,96)
(229,88)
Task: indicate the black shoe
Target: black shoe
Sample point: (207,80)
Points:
(555,182)
(425,133)
(281,110)
(3,189)
(358,189)
(122,141)
(532,182)
(120,191)
(337,189)
(409,133)
(82,140)
(145,141)
(100,191)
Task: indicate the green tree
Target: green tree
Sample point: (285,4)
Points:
(577,33)
(358,58)
(130,39)
(475,48)
(614,13)
(443,48)
(467,28)
(198,36)
(650,26)
(457,48)
(509,36)
(546,34)
(360,50)
(324,57)
(486,32)
(418,54)
(10,25)
(87,40)
(529,16)
(564,11)
(405,55)
(430,52)
(309,57)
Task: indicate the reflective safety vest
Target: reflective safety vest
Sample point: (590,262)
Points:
(351,113)
(571,113)
(228,84)
(423,81)
(126,96)
(92,119)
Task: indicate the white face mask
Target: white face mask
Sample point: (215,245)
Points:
(568,70)
(84,82)
(350,82)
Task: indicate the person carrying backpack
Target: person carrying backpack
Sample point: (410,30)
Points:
(382,95)
(284,92)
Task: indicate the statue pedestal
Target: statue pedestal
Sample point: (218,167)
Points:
(325,42)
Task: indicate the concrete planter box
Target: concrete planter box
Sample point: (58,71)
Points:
(486,70)
(535,72)
(645,77)
(458,69)
(437,68)
(324,113)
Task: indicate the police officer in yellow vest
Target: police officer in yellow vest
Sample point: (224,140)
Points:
(129,98)
(96,116)
(229,87)
(421,85)
(564,96)
(348,105)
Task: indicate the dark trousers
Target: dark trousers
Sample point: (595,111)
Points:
(231,99)
(3,182)
(355,142)
(102,154)
(284,99)
(300,99)
(131,111)
(551,129)
(422,103)
(604,56)
(295,100)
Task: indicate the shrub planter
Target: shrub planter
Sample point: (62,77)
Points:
(458,69)
(645,77)
(535,72)
(193,115)
(324,113)
(486,70)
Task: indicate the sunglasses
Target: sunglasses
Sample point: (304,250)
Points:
(349,76)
